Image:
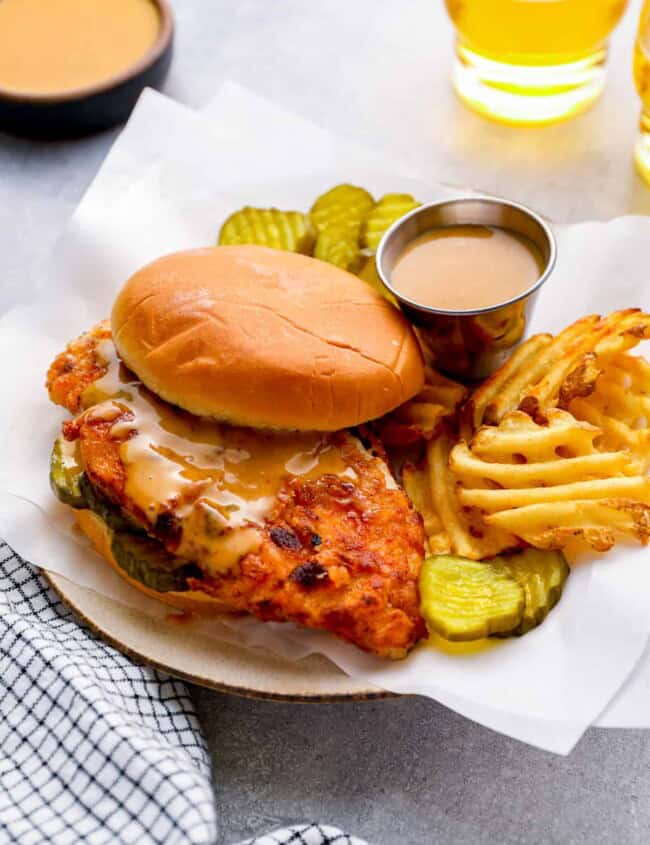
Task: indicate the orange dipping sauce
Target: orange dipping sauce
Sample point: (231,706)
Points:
(55,46)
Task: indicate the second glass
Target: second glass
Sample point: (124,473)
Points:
(642,81)
(531,61)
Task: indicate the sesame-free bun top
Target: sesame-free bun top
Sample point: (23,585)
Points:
(259,337)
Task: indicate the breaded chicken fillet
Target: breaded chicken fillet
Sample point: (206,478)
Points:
(339,551)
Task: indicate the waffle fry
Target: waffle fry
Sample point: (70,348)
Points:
(620,407)
(443,390)
(546,484)
(421,417)
(547,371)
(500,392)
(468,534)
(448,526)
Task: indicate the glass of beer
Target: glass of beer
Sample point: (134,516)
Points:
(642,80)
(531,62)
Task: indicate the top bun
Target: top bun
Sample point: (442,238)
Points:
(258,337)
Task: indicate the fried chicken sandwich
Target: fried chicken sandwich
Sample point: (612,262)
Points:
(213,455)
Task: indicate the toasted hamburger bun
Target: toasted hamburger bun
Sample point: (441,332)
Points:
(99,535)
(263,338)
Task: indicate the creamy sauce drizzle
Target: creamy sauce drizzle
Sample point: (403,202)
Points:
(70,455)
(214,477)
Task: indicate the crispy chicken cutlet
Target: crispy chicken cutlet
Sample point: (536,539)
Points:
(304,527)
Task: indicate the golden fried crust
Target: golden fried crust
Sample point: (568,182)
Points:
(73,370)
(336,555)
(339,554)
(100,454)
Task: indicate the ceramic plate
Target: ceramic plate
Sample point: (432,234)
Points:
(174,648)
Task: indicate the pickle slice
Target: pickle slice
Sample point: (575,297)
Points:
(465,600)
(66,474)
(291,231)
(337,246)
(380,218)
(369,274)
(541,575)
(110,513)
(146,560)
(343,205)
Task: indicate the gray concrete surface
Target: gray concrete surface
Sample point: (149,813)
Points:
(410,771)
(401,771)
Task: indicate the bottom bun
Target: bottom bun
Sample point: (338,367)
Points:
(100,534)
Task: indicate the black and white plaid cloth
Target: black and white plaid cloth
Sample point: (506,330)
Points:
(94,749)
(306,834)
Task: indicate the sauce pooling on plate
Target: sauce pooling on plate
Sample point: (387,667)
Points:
(460,268)
(54,46)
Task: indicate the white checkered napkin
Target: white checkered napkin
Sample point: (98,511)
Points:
(306,834)
(93,749)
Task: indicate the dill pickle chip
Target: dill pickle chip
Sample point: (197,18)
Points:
(338,246)
(147,561)
(369,274)
(111,514)
(66,474)
(541,575)
(380,218)
(291,231)
(343,205)
(463,599)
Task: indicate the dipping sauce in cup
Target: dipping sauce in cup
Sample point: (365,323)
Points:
(461,267)
(68,67)
(53,46)
(466,273)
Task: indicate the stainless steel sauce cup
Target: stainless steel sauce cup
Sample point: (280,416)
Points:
(468,344)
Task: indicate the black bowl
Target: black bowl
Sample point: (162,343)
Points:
(93,107)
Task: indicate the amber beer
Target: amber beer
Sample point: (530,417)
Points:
(531,61)
(642,80)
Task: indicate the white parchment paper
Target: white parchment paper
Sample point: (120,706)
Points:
(169,182)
